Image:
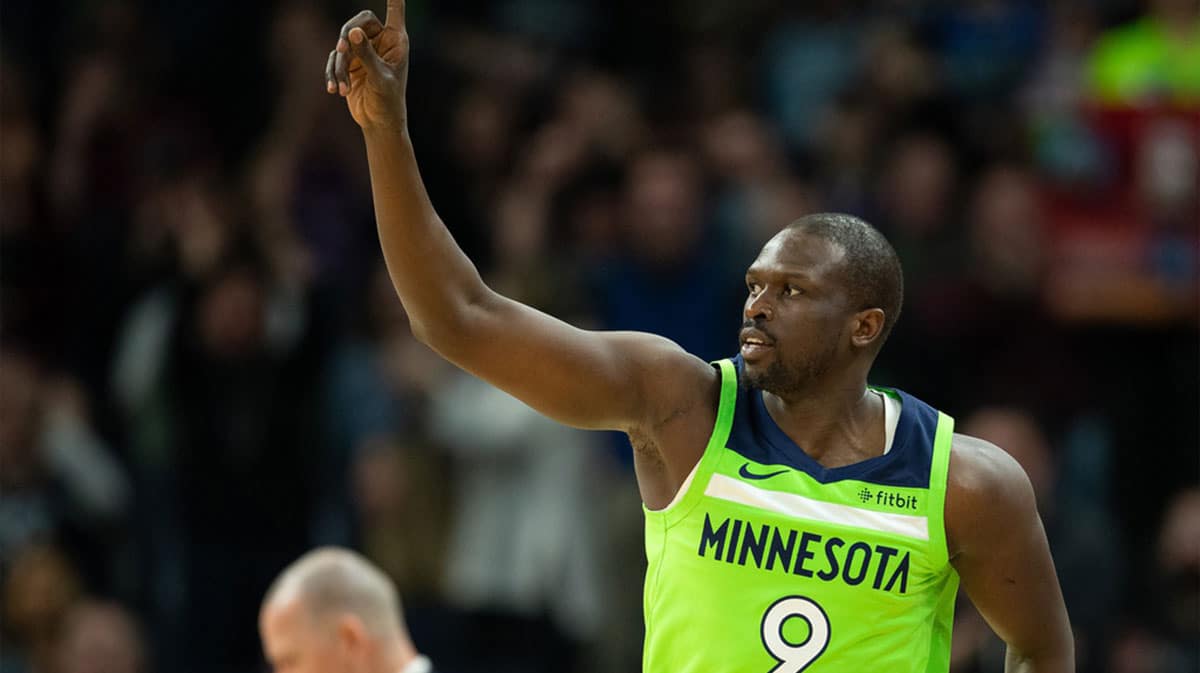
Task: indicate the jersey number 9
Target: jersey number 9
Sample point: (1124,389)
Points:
(794,658)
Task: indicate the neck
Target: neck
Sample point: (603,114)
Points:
(835,425)
(396,657)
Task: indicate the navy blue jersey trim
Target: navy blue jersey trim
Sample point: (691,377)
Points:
(756,436)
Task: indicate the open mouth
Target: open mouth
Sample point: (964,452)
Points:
(755,344)
(752,350)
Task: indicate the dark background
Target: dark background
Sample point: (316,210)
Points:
(203,370)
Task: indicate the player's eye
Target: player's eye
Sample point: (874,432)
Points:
(753,287)
(793,291)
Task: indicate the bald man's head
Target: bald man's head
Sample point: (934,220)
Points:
(329,582)
(328,606)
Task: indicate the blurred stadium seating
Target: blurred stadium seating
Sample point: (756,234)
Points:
(203,370)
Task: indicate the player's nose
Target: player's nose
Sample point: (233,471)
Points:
(759,307)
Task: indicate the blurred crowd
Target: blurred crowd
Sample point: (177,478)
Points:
(204,370)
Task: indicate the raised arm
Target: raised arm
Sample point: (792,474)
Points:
(623,381)
(998,545)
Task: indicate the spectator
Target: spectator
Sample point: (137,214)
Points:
(1165,642)
(99,637)
(61,481)
(999,286)
(808,57)
(1178,568)
(524,489)
(917,195)
(760,195)
(367,396)
(40,586)
(673,277)
(406,488)
(985,45)
(1155,57)
(229,399)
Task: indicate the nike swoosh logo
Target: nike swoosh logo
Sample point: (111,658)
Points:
(747,474)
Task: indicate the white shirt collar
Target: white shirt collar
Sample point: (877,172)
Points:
(421,664)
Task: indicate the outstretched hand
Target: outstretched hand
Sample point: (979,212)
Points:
(369,67)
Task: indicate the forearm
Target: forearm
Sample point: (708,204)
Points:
(435,280)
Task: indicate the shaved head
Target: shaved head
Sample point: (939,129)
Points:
(332,610)
(870,267)
(330,582)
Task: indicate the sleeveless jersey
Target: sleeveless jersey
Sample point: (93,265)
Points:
(768,562)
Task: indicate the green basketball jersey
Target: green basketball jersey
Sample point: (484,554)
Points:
(768,562)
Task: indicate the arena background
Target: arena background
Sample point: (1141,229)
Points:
(204,372)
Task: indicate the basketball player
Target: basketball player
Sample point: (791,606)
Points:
(796,519)
(331,610)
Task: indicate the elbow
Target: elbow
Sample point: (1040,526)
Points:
(424,331)
(439,335)
(452,324)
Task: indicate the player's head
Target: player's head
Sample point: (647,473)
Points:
(823,295)
(331,610)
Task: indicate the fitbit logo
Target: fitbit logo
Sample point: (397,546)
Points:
(888,498)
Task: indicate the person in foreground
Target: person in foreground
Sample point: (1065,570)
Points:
(331,610)
(796,519)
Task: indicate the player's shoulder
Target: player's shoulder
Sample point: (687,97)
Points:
(979,467)
(658,352)
(664,365)
(672,379)
(986,490)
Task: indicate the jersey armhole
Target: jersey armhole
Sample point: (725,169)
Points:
(693,486)
(938,474)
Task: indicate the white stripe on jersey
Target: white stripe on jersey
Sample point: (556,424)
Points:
(800,507)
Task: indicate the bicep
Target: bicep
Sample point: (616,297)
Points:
(586,379)
(1002,555)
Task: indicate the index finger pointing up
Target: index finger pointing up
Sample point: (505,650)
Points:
(395,14)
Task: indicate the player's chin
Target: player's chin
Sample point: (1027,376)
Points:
(756,375)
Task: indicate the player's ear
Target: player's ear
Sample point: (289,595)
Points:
(351,633)
(866,327)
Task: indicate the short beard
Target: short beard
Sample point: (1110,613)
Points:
(791,382)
